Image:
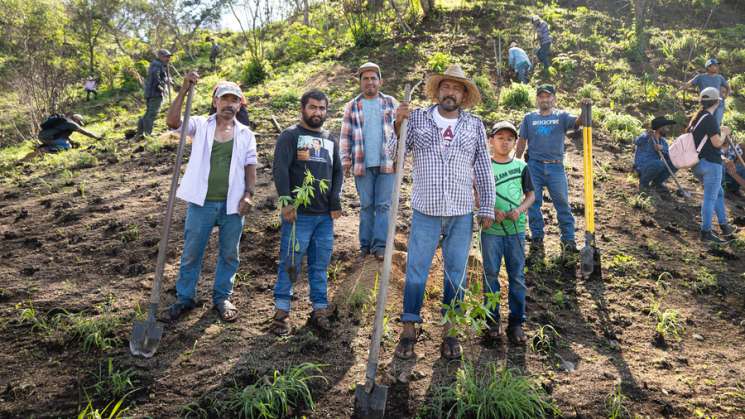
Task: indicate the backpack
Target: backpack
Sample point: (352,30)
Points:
(683,151)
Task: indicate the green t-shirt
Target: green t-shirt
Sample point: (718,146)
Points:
(217,184)
(512,181)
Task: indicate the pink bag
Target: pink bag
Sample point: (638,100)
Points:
(683,151)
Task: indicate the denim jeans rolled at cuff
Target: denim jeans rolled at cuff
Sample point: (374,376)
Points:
(710,175)
(544,55)
(654,172)
(314,235)
(553,177)
(145,124)
(522,70)
(426,234)
(375,190)
(511,247)
(729,183)
(197,231)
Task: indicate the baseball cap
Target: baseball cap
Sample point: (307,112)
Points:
(710,93)
(78,118)
(164,53)
(369,66)
(228,88)
(548,88)
(503,125)
(711,61)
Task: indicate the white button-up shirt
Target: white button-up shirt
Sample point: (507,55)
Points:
(193,186)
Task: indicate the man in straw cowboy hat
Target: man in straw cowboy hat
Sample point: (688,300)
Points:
(450,153)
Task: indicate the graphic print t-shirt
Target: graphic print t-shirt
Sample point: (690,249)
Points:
(546,133)
(446,127)
(298,150)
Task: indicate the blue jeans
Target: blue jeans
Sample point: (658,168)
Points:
(544,55)
(729,183)
(653,172)
(522,69)
(314,237)
(197,230)
(553,177)
(58,144)
(719,113)
(710,174)
(375,190)
(511,247)
(454,234)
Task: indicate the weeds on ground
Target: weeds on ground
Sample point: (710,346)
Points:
(269,397)
(131,234)
(492,392)
(642,201)
(622,264)
(669,324)
(113,383)
(704,282)
(615,404)
(471,316)
(439,61)
(545,341)
(517,96)
(27,315)
(110,411)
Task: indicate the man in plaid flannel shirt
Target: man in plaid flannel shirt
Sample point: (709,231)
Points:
(367,126)
(450,155)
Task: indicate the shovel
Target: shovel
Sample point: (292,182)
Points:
(370,398)
(590,255)
(146,334)
(684,193)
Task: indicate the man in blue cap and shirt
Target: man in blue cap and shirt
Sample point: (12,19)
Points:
(543,132)
(653,172)
(712,78)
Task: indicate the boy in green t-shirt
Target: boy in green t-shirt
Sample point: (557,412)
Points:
(506,237)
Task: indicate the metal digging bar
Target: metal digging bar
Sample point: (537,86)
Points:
(146,333)
(370,398)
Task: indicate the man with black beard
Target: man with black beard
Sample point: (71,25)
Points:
(307,228)
(450,158)
(653,172)
(219,186)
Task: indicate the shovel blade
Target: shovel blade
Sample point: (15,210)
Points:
(145,337)
(370,405)
(587,255)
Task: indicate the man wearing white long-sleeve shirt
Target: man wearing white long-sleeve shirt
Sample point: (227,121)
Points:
(218,185)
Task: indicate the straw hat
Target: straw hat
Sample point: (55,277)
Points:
(454,72)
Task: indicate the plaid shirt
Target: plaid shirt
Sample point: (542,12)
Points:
(443,182)
(351,142)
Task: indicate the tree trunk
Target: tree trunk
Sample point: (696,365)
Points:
(640,14)
(306,17)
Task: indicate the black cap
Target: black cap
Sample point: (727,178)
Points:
(660,122)
(548,88)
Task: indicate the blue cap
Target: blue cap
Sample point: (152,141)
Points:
(711,61)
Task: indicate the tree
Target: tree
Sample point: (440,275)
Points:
(89,20)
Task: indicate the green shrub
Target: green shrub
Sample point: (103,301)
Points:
(364,31)
(255,72)
(517,96)
(589,91)
(669,323)
(490,392)
(623,128)
(488,95)
(289,99)
(439,61)
(302,42)
(624,89)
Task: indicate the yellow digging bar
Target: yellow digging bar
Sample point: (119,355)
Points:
(589,196)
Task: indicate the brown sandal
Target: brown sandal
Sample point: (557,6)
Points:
(280,324)
(450,348)
(321,318)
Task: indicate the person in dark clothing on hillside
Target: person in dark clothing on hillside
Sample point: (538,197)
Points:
(544,40)
(704,127)
(307,229)
(647,162)
(56,131)
(156,83)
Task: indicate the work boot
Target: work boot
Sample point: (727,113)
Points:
(710,238)
(728,231)
(568,247)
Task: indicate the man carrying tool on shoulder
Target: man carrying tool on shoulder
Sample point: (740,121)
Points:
(543,132)
(648,163)
(450,152)
(219,186)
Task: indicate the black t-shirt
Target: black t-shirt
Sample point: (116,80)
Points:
(707,128)
(298,149)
